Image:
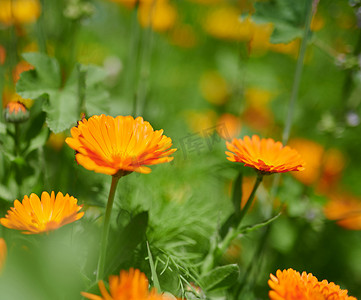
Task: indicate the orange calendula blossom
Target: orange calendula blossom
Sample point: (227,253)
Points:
(265,155)
(290,285)
(131,284)
(120,145)
(33,215)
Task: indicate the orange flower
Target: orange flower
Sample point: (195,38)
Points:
(265,155)
(160,14)
(3,253)
(132,285)
(37,216)
(345,209)
(117,146)
(291,285)
(229,126)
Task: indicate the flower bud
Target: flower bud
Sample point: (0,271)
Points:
(16,112)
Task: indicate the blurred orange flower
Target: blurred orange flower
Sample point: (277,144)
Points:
(2,55)
(22,66)
(128,285)
(345,209)
(37,216)
(56,140)
(265,155)
(198,121)
(223,23)
(214,87)
(19,11)
(117,146)
(183,36)
(323,167)
(229,126)
(257,114)
(160,14)
(290,284)
(3,253)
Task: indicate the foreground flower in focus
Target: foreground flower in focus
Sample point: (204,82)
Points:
(126,286)
(116,146)
(290,284)
(265,155)
(36,216)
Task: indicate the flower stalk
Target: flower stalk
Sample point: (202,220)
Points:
(105,232)
(232,233)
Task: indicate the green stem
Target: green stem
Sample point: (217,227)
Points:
(311,10)
(216,253)
(250,199)
(81,90)
(145,65)
(298,72)
(40,29)
(105,232)
(16,140)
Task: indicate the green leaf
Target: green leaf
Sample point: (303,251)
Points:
(124,243)
(2,128)
(62,107)
(153,270)
(287,16)
(96,97)
(38,141)
(220,278)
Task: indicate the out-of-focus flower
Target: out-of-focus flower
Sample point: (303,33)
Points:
(290,48)
(345,209)
(264,155)
(21,66)
(33,215)
(323,167)
(183,36)
(56,140)
(257,115)
(290,284)
(131,284)
(214,87)
(257,96)
(201,121)
(118,146)
(19,11)
(159,14)
(228,126)
(16,112)
(317,23)
(2,55)
(3,253)
(223,23)
(331,169)
(312,153)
